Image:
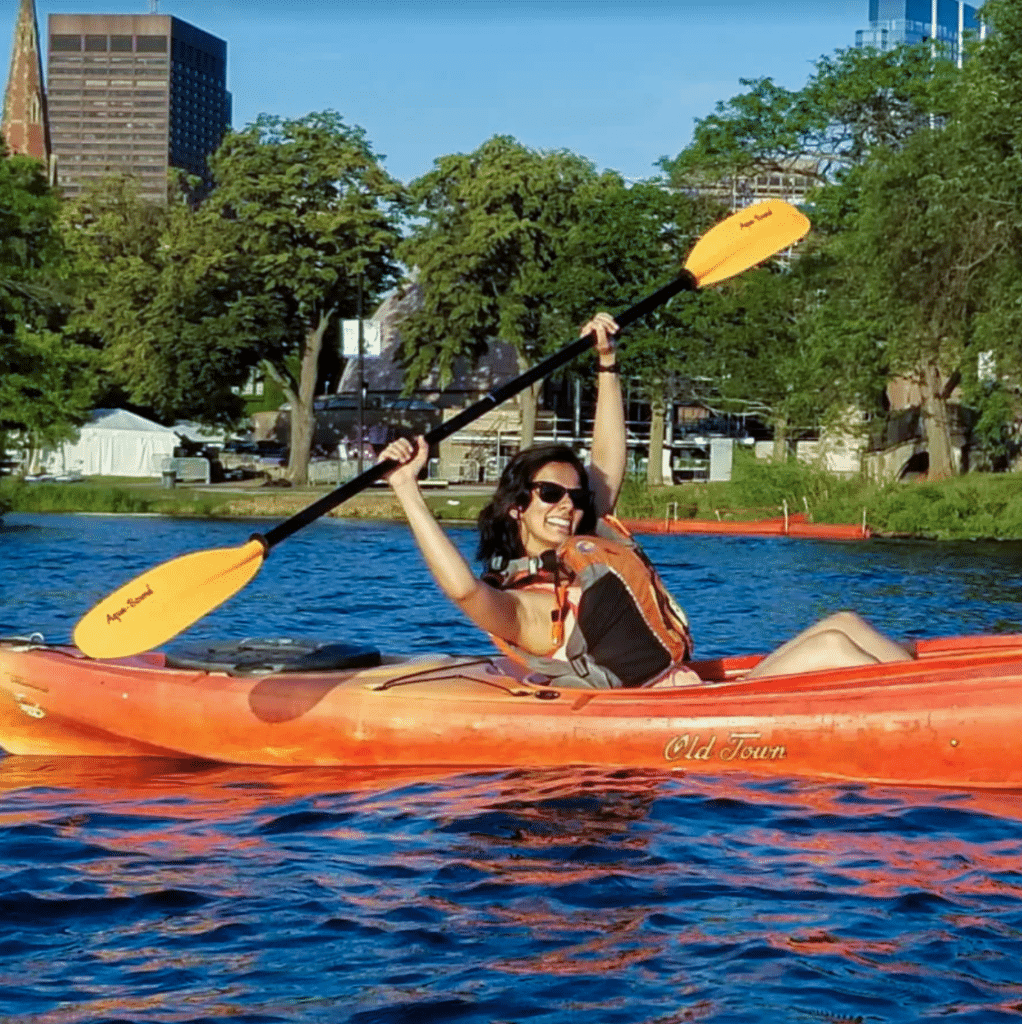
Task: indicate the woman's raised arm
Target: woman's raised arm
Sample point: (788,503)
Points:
(609,452)
(503,614)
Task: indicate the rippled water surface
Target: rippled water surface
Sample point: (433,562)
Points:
(144,890)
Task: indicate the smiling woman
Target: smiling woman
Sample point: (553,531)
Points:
(520,521)
(583,609)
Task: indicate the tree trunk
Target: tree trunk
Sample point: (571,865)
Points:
(780,440)
(938,425)
(303,418)
(528,403)
(655,462)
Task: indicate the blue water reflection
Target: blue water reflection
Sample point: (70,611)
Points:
(152,891)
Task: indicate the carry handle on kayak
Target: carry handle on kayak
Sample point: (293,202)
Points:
(166,600)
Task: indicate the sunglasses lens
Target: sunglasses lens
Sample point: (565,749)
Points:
(551,494)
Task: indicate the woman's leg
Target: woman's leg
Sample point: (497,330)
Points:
(838,641)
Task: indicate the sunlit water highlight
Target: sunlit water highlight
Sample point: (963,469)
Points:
(153,891)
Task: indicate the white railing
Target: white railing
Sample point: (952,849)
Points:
(186,470)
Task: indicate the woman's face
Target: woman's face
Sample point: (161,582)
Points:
(543,525)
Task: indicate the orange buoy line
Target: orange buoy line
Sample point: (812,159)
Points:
(790,526)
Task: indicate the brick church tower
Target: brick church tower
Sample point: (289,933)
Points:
(25,125)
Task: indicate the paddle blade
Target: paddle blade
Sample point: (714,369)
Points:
(744,239)
(162,602)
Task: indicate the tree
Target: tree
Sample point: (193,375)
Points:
(490,228)
(860,111)
(627,242)
(46,383)
(793,352)
(157,290)
(310,214)
(857,100)
(940,233)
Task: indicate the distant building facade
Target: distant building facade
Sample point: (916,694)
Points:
(789,181)
(25,124)
(912,21)
(134,94)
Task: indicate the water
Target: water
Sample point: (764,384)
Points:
(171,891)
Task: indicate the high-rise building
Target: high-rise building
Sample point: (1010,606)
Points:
(946,22)
(24,121)
(134,94)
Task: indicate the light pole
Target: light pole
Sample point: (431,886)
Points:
(361,379)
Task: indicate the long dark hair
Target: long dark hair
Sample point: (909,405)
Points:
(498,529)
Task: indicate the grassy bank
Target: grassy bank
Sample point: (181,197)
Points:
(120,496)
(980,505)
(975,506)
(104,496)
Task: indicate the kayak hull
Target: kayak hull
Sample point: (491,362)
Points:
(950,717)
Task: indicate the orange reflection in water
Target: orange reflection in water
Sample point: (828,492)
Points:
(526,834)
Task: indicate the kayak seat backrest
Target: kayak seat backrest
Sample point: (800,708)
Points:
(271,656)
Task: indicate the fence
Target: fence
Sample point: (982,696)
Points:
(186,470)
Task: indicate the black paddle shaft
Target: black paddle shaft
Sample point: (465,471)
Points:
(685,281)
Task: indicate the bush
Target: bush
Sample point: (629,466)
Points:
(95,497)
(974,506)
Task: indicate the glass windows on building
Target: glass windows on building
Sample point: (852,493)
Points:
(947,23)
(120,103)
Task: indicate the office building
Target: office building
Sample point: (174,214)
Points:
(946,22)
(134,94)
(24,120)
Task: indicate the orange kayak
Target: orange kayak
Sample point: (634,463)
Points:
(950,717)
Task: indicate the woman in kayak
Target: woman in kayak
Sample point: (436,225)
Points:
(545,498)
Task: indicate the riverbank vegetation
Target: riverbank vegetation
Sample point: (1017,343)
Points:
(98,495)
(977,506)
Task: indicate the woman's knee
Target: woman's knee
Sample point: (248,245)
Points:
(846,622)
(828,648)
(835,645)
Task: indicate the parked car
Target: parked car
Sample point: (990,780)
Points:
(383,419)
(409,405)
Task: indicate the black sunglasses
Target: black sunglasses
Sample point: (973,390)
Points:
(550,493)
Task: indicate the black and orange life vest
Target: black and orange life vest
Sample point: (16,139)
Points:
(615,624)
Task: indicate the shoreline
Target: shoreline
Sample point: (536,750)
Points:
(965,512)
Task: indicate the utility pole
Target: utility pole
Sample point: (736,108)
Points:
(361,379)
(154,6)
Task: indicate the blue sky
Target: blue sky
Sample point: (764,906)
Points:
(619,83)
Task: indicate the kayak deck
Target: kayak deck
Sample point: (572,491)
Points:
(950,717)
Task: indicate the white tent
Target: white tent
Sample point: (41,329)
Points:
(115,443)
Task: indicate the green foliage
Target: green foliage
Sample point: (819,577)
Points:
(97,496)
(759,484)
(186,299)
(311,219)
(47,387)
(489,228)
(627,241)
(995,442)
(47,381)
(856,101)
(316,210)
(973,506)
(936,247)
(73,498)
(154,292)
